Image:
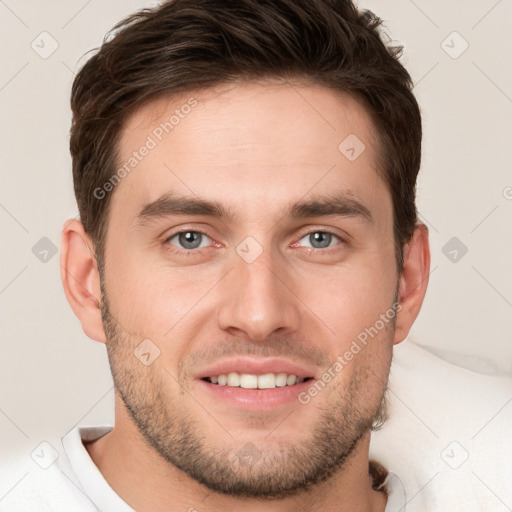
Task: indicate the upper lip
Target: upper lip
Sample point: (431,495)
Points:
(255,366)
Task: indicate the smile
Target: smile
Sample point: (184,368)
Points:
(253,381)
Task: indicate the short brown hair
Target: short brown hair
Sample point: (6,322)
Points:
(191,44)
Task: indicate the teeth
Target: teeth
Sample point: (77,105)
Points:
(234,379)
(290,380)
(251,381)
(267,381)
(281,379)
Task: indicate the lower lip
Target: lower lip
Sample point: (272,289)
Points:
(257,399)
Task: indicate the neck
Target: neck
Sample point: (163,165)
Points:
(126,461)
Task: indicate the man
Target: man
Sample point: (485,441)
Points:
(248,251)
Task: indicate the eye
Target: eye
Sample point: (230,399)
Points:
(189,240)
(320,239)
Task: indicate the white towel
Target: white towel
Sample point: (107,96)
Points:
(449,436)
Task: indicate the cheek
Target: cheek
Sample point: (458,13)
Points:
(162,303)
(136,295)
(349,299)
(149,306)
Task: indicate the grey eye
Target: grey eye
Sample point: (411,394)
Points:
(189,239)
(319,239)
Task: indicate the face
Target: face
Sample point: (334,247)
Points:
(245,246)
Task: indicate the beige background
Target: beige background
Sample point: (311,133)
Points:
(52,376)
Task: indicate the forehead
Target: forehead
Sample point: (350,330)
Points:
(252,145)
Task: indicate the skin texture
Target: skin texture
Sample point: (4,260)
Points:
(256,149)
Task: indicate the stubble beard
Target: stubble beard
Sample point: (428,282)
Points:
(241,468)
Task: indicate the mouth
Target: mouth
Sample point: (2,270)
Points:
(256,384)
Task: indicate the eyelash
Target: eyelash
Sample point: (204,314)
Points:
(195,252)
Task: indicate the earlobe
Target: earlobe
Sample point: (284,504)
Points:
(413,281)
(80,278)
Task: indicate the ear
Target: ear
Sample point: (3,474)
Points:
(413,281)
(81,279)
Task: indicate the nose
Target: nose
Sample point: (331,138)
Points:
(258,299)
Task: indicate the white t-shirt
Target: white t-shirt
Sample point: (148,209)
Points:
(68,480)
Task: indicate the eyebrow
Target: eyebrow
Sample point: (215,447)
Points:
(342,205)
(170,204)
